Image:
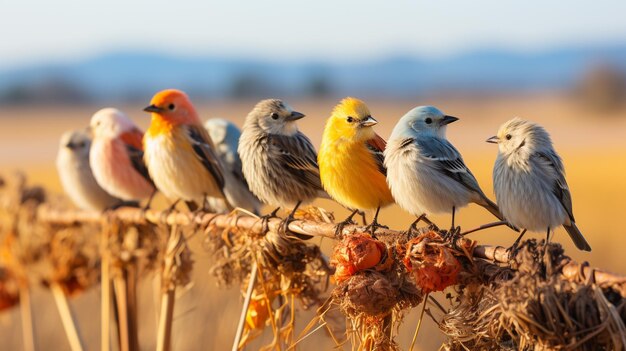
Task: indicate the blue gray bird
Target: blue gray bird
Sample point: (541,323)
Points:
(76,176)
(529,181)
(225,136)
(425,172)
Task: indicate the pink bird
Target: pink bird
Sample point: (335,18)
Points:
(116,156)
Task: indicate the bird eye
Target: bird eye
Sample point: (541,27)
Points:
(274,115)
(428,120)
(171,107)
(508,137)
(350,119)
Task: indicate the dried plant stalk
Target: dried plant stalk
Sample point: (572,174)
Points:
(69,323)
(175,271)
(244,308)
(164,332)
(28,324)
(105,304)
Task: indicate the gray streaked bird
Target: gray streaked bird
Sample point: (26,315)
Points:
(425,172)
(225,136)
(529,181)
(279,162)
(75,173)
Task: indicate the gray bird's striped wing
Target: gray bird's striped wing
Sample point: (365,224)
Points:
(551,168)
(297,155)
(448,161)
(203,148)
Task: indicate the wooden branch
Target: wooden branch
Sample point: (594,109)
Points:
(571,270)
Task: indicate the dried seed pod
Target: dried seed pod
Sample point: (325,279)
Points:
(356,253)
(432,263)
(372,294)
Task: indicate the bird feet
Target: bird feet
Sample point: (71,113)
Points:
(266,219)
(348,221)
(371,228)
(284,224)
(168,211)
(339,226)
(515,247)
(414,231)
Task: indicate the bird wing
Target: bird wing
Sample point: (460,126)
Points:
(448,161)
(377,147)
(205,151)
(297,155)
(552,167)
(134,147)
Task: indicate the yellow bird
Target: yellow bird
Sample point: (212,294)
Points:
(351,161)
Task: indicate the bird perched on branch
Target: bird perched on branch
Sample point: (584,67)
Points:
(116,156)
(179,152)
(76,176)
(529,181)
(351,160)
(425,172)
(279,162)
(225,136)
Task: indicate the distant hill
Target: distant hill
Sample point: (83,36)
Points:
(136,75)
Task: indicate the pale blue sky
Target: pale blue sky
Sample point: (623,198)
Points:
(65,30)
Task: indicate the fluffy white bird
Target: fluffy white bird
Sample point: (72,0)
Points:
(225,136)
(529,181)
(75,173)
(425,173)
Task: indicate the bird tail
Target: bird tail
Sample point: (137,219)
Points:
(577,237)
(493,208)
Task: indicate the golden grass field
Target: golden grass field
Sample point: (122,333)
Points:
(593,146)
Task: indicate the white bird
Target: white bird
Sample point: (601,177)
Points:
(529,181)
(225,136)
(75,173)
(425,172)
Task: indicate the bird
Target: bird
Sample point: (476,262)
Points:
(116,156)
(425,172)
(529,181)
(278,161)
(351,161)
(179,153)
(225,136)
(75,173)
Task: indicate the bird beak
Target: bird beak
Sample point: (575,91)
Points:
(294,116)
(493,140)
(153,108)
(69,145)
(448,119)
(368,122)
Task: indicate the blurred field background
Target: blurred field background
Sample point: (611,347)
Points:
(570,78)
